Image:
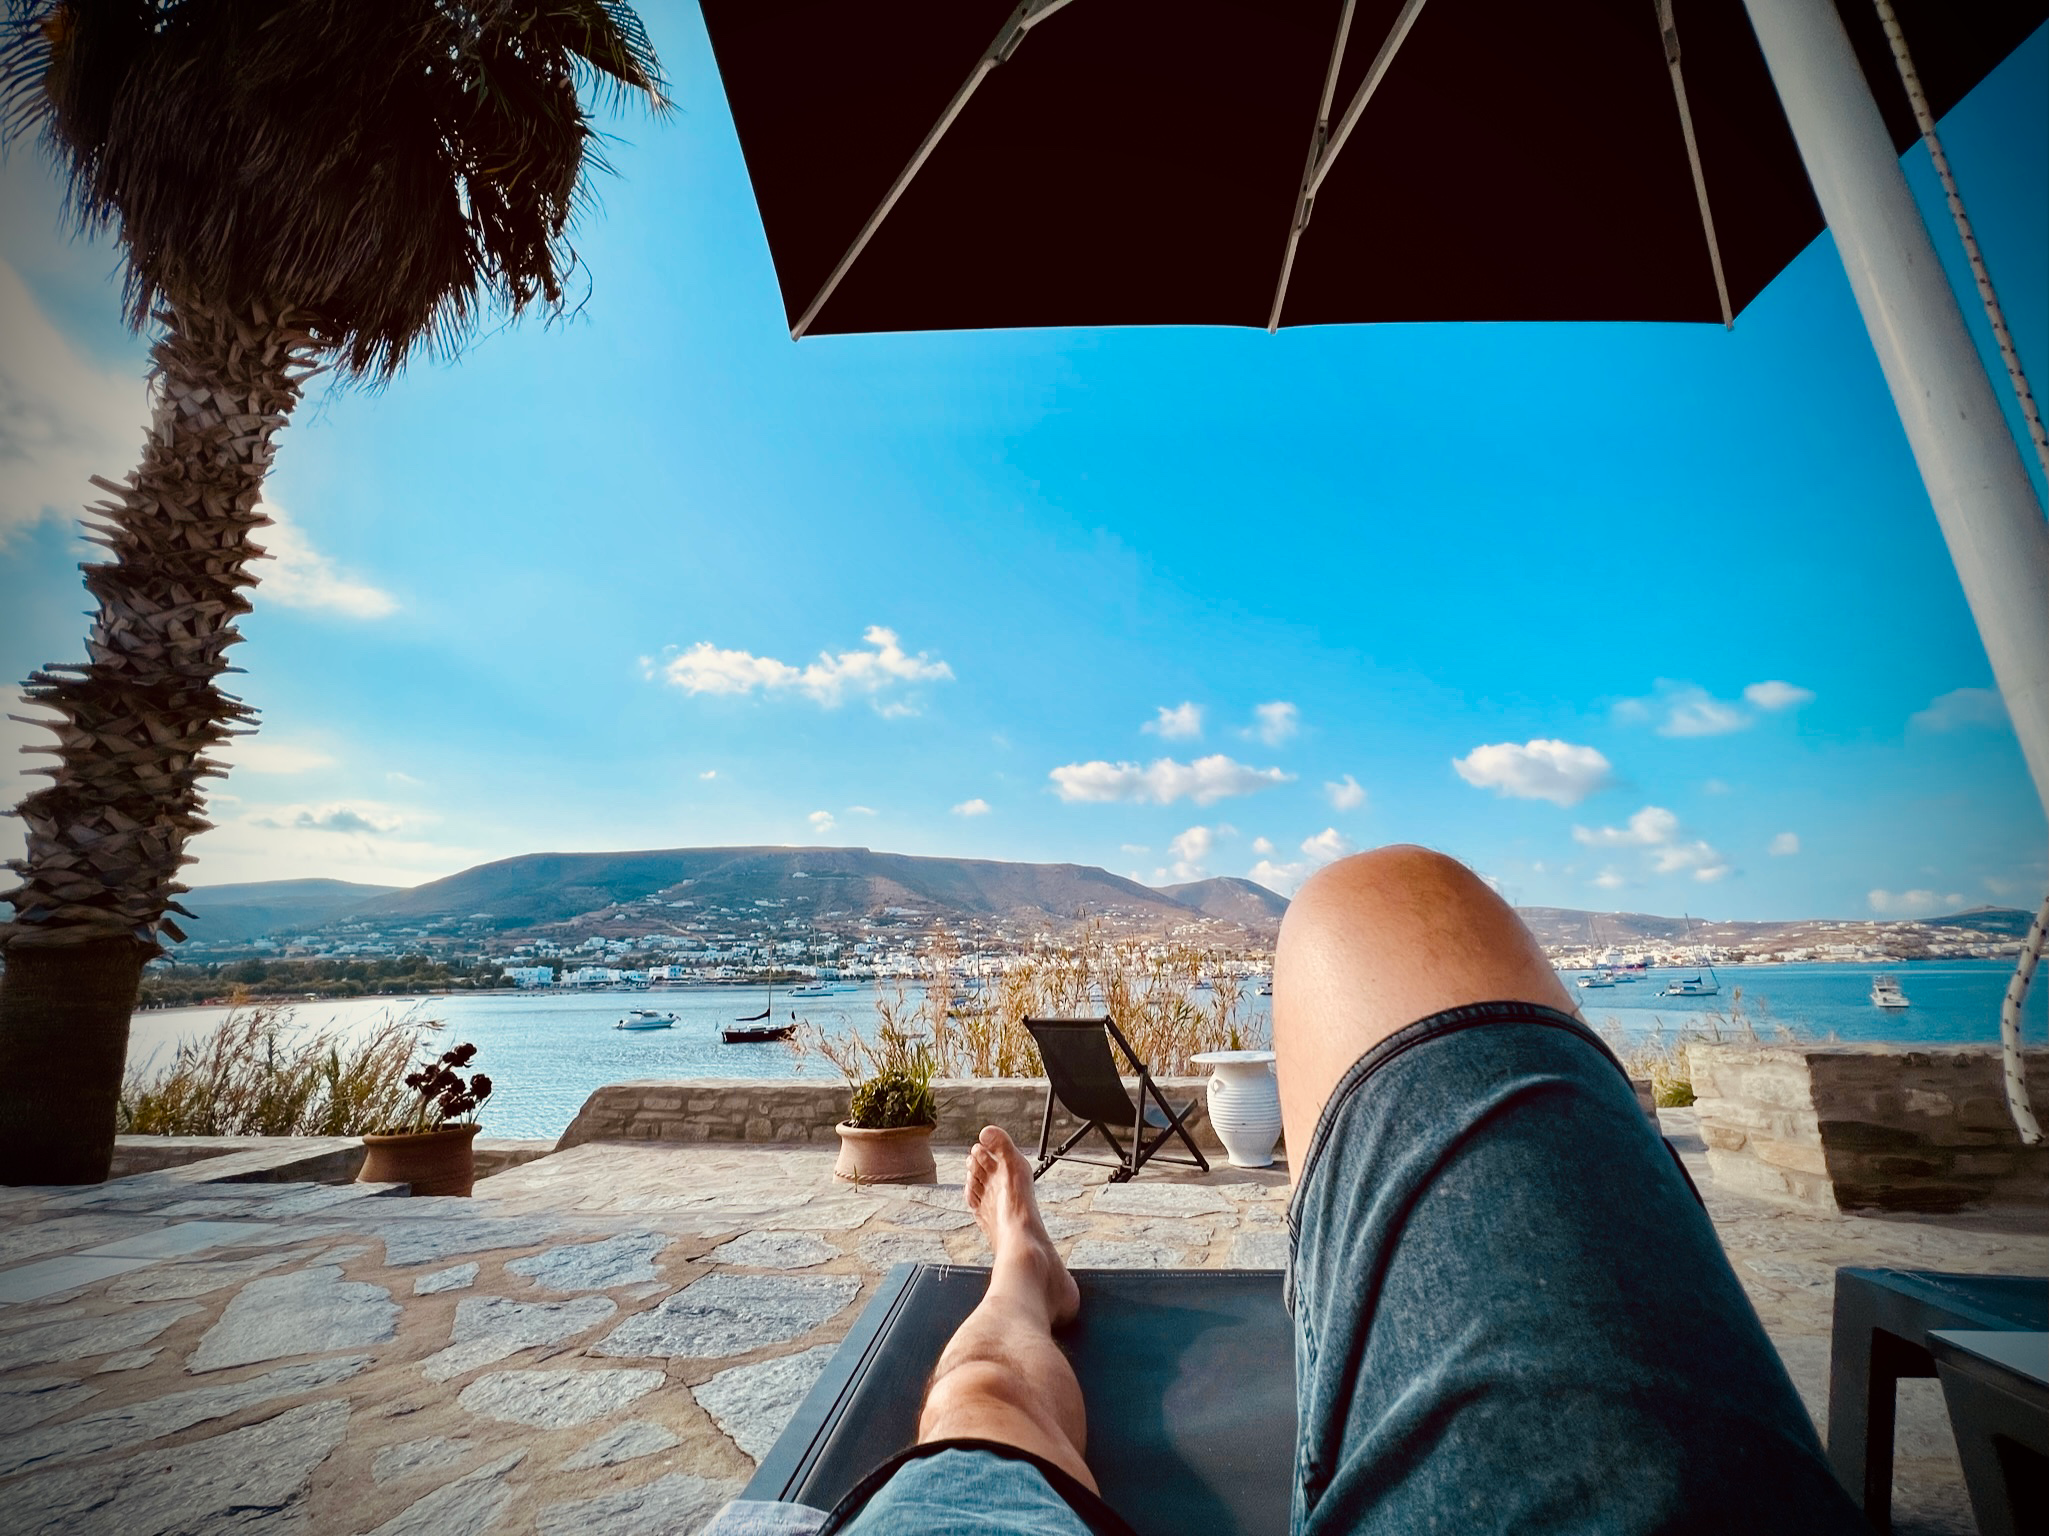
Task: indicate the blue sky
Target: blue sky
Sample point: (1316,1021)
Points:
(1643,617)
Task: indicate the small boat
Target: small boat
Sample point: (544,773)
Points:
(1597,979)
(1886,993)
(1266,989)
(647,1018)
(818,989)
(757,1034)
(1691,986)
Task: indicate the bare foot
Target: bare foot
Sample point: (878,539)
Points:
(1005,1208)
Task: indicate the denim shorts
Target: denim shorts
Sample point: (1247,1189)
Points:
(1511,1314)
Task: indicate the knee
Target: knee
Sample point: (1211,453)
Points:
(967,1390)
(1398,878)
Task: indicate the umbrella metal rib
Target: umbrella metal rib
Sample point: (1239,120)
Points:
(1670,29)
(1028,15)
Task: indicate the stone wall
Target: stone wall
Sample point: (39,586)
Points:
(807,1109)
(1863,1127)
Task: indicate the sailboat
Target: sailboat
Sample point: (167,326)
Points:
(756,1018)
(756,1029)
(1695,985)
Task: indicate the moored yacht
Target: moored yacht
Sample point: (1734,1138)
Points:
(1886,993)
(647,1018)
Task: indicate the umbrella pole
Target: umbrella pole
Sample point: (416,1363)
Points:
(1969,461)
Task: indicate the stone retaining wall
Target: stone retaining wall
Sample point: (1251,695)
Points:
(807,1109)
(1858,1127)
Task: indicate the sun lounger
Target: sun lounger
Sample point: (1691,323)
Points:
(1082,1078)
(1883,1322)
(1189,1378)
(1996,1387)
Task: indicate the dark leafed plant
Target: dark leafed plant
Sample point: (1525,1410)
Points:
(294,184)
(440,1096)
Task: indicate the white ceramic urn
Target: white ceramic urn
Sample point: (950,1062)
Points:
(1244,1104)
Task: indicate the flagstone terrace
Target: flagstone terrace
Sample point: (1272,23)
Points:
(606,1338)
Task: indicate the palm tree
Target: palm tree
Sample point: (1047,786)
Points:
(295,185)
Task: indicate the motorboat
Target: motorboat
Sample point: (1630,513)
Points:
(1691,986)
(647,1018)
(1596,979)
(1886,993)
(816,989)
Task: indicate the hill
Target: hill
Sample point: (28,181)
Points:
(1244,902)
(234,914)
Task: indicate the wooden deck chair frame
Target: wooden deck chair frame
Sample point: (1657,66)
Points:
(1173,1122)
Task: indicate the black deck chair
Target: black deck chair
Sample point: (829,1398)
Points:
(1188,1377)
(1883,1320)
(1996,1388)
(1082,1078)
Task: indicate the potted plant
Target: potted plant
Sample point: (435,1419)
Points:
(433,1150)
(891,1114)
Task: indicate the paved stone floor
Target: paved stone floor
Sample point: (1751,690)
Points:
(604,1341)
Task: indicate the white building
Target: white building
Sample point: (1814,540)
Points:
(530,975)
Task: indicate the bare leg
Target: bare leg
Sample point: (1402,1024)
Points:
(1376,942)
(1002,1377)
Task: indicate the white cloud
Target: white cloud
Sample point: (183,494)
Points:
(1775,695)
(1327,845)
(1262,846)
(1696,712)
(1190,849)
(1656,830)
(1205,781)
(709,774)
(1610,879)
(1318,850)
(300,576)
(975,807)
(862,810)
(822,821)
(62,419)
(360,819)
(1275,722)
(1557,771)
(883,665)
(1181,723)
(1647,828)
(253,754)
(1912,903)
(1960,709)
(1785,844)
(1346,794)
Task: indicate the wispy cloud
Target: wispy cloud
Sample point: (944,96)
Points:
(709,774)
(1205,781)
(1684,710)
(1181,723)
(255,754)
(300,576)
(1557,771)
(1785,845)
(881,665)
(62,419)
(1274,723)
(1775,695)
(1657,831)
(1346,794)
(1610,879)
(1913,903)
(359,819)
(975,807)
(1318,849)
(1960,709)
(822,821)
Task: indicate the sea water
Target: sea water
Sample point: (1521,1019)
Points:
(547,1051)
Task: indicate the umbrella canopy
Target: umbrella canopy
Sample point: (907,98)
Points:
(1141,162)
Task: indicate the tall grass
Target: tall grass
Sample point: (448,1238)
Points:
(259,1074)
(1660,1055)
(1148,989)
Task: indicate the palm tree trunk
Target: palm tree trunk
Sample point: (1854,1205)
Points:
(106,838)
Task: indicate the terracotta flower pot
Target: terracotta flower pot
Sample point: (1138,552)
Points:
(902,1154)
(439,1162)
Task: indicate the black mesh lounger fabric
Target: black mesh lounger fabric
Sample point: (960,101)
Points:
(1189,1378)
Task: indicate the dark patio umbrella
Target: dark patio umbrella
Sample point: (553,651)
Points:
(1141,162)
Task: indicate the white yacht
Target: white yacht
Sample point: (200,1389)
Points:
(1597,979)
(1886,993)
(811,989)
(647,1018)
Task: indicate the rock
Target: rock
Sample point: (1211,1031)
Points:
(197,1277)
(466,1507)
(629,1442)
(192,1237)
(76,1338)
(773,1250)
(155,1417)
(488,1328)
(928,1218)
(421,1241)
(1260,1250)
(436,1453)
(1098,1253)
(31,1239)
(460,1278)
(1140,1199)
(666,1507)
(556,1399)
(753,1403)
(623,1260)
(882,1249)
(241,1479)
(304,1313)
(28,1400)
(344,1253)
(129,1360)
(726,1314)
